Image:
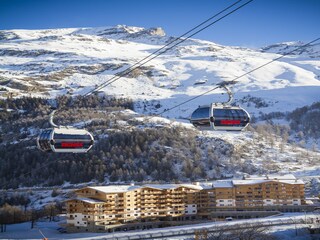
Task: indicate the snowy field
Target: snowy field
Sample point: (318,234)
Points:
(49,229)
(59,61)
(73,61)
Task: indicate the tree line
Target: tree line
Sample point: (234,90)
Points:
(126,149)
(134,151)
(10,214)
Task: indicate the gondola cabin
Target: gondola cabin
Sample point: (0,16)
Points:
(220,117)
(65,140)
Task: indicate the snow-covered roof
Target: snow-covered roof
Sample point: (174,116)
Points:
(116,188)
(297,181)
(172,186)
(249,182)
(222,184)
(289,179)
(217,184)
(161,186)
(126,188)
(87,200)
(271,177)
(198,187)
(205,185)
(258,181)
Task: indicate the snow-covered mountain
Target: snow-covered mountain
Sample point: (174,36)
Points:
(73,61)
(55,62)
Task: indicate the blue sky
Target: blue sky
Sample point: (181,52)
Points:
(260,23)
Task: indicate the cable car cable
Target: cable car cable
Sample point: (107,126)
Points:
(210,90)
(127,71)
(168,44)
(234,81)
(146,60)
(47,141)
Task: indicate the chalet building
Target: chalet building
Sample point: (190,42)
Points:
(109,208)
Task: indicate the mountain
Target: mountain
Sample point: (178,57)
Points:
(281,98)
(283,48)
(60,61)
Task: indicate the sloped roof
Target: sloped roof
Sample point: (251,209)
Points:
(86,200)
(222,184)
(172,186)
(258,181)
(288,179)
(161,186)
(126,188)
(271,177)
(249,182)
(115,188)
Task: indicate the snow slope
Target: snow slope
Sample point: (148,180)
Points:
(73,61)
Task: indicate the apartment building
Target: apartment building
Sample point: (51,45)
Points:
(106,208)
